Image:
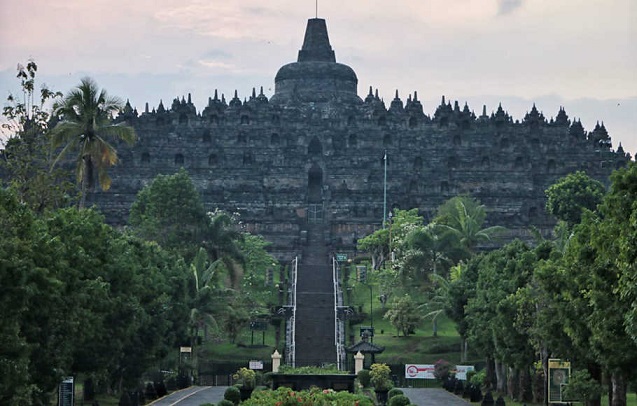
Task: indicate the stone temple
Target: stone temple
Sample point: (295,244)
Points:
(314,153)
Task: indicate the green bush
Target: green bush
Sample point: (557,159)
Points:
(364,378)
(225,402)
(399,400)
(478,378)
(394,392)
(207,404)
(232,394)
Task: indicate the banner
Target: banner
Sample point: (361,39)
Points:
(419,371)
(461,371)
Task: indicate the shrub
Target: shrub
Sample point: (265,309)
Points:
(380,377)
(233,395)
(246,377)
(442,369)
(394,392)
(150,392)
(225,402)
(478,378)
(364,378)
(399,400)
(161,390)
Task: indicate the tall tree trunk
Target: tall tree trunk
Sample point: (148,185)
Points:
(491,378)
(435,326)
(500,374)
(596,373)
(545,369)
(525,393)
(618,389)
(512,383)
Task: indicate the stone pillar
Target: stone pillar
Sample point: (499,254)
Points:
(358,362)
(276,361)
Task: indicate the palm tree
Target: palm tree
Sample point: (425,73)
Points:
(465,216)
(221,241)
(86,126)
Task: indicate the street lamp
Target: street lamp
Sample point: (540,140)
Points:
(371,309)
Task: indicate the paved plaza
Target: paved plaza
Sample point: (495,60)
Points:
(197,395)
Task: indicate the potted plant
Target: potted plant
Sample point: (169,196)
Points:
(380,378)
(246,378)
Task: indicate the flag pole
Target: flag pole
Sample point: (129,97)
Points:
(385,191)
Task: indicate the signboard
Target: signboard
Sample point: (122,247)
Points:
(341,257)
(426,371)
(461,371)
(559,373)
(66,392)
(185,349)
(419,371)
(256,365)
(367,330)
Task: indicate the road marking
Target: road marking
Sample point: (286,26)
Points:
(189,395)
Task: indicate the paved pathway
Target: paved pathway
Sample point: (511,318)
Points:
(197,395)
(433,397)
(193,396)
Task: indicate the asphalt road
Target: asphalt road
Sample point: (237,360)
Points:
(197,395)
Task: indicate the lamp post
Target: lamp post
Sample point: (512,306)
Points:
(371,309)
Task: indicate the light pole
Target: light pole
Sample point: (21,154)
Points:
(371,309)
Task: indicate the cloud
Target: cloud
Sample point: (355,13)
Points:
(508,6)
(216,64)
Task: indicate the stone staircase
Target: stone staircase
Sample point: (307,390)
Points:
(315,302)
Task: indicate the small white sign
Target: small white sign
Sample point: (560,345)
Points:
(256,364)
(185,349)
(419,371)
(461,371)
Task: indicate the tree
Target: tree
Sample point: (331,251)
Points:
(26,158)
(404,315)
(86,126)
(465,217)
(571,195)
(222,241)
(170,211)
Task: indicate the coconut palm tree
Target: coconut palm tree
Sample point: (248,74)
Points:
(221,242)
(465,217)
(86,127)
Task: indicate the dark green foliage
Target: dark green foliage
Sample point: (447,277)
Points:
(364,378)
(393,392)
(170,211)
(150,392)
(398,400)
(225,402)
(161,390)
(571,195)
(232,394)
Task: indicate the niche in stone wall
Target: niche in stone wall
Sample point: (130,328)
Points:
(213,160)
(352,140)
(444,187)
(183,118)
(179,159)
(382,121)
(485,162)
(245,119)
(387,140)
(550,166)
(205,137)
(417,163)
(248,159)
(457,140)
(275,139)
(351,121)
(315,147)
(533,212)
(452,162)
(504,143)
(242,138)
(519,163)
(413,122)
(145,158)
(276,120)
(213,119)
(160,121)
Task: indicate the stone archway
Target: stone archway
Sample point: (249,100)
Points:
(315,185)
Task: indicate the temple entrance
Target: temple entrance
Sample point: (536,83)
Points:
(315,194)
(315,185)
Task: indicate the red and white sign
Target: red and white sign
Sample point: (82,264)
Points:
(419,371)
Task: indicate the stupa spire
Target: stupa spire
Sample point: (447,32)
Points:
(316,45)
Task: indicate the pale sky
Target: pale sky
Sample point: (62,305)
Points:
(580,54)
